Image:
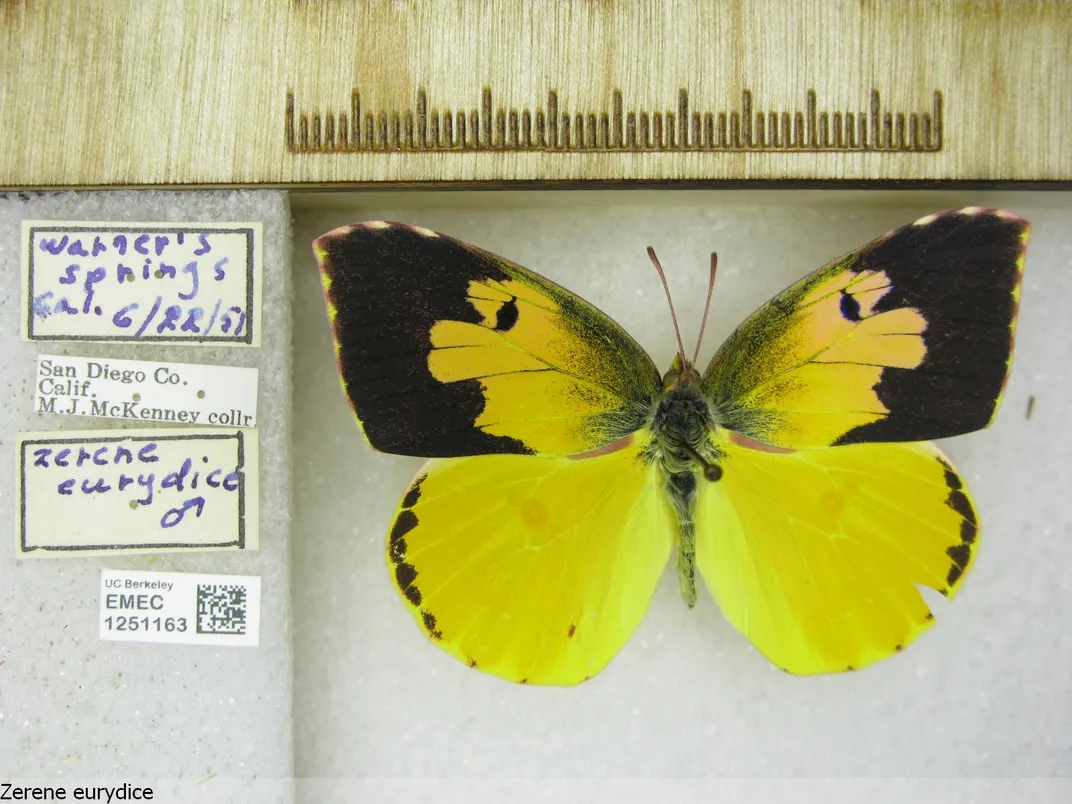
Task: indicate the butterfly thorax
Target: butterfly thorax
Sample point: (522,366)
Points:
(682,424)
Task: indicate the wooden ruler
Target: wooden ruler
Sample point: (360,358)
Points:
(243,92)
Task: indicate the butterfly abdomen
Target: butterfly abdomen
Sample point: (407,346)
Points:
(682,490)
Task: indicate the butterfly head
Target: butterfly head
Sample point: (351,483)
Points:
(681,372)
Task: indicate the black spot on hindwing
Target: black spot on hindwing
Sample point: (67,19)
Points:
(430,623)
(955,572)
(968,531)
(960,554)
(406,521)
(958,501)
(414,493)
(405,575)
(952,479)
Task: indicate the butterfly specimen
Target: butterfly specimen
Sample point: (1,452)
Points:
(794,475)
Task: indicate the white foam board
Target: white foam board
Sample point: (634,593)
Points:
(204,723)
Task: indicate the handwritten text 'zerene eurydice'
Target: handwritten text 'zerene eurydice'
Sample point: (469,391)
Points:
(137,472)
(113,491)
(123,283)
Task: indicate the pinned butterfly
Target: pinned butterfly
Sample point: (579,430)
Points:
(794,475)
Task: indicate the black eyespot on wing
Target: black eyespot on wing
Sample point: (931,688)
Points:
(850,308)
(572,630)
(961,270)
(506,316)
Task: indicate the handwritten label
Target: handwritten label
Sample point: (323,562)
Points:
(185,393)
(144,282)
(180,607)
(137,491)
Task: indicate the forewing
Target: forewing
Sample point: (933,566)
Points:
(816,555)
(447,350)
(908,338)
(537,570)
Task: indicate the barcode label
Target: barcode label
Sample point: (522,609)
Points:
(180,607)
(221,608)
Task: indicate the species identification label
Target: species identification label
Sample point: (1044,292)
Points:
(126,491)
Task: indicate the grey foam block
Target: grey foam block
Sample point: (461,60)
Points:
(984,693)
(198,723)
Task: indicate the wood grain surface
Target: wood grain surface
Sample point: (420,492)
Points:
(329,93)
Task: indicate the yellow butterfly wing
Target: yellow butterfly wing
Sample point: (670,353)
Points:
(447,350)
(816,555)
(533,569)
(908,338)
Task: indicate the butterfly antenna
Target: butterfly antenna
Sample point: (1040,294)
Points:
(707,305)
(666,289)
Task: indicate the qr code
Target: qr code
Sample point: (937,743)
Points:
(221,608)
